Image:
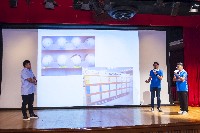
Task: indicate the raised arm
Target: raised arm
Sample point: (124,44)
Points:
(148,80)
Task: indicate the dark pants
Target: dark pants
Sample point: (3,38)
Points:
(157,91)
(183,99)
(27,99)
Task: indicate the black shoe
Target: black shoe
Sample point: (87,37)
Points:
(26,118)
(34,116)
(159,110)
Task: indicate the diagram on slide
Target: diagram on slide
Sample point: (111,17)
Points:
(66,55)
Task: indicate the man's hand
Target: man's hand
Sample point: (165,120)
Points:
(35,81)
(32,80)
(148,80)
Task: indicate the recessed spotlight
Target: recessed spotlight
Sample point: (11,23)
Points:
(194,8)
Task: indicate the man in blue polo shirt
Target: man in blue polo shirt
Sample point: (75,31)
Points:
(180,76)
(155,77)
(27,90)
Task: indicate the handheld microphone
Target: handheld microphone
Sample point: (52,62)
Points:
(176,71)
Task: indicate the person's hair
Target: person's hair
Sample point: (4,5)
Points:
(156,63)
(26,62)
(180,63)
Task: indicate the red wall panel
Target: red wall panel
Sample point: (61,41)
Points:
(65,13)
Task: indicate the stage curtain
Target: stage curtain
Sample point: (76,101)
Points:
(1,55)
(191,38)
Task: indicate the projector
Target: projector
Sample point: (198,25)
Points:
(122,12)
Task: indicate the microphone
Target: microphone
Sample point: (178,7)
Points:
(176,71)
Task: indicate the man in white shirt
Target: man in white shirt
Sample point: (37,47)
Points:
(27,90)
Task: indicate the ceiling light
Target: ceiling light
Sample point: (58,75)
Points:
(50,4)
(85,4)
(194,8)
(107,5)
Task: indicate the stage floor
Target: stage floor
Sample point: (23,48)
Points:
(98,117)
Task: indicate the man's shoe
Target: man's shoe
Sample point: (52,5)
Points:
(26,118)
(159,110)
(152,110)
(184,112)
(34,116)
(180,112)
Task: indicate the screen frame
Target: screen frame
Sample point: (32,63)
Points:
(168,30)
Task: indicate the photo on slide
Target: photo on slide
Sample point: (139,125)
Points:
(66,55)
(108,86)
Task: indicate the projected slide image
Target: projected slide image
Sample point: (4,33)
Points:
(108,86)
(66,55)
(85,67)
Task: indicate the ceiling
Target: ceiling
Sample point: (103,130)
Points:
(159,7)
(148,14)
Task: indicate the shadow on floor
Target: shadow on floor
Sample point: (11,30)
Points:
(170,113)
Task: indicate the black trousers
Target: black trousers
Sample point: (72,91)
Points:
(183,99)
(157,91)
(27,99)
